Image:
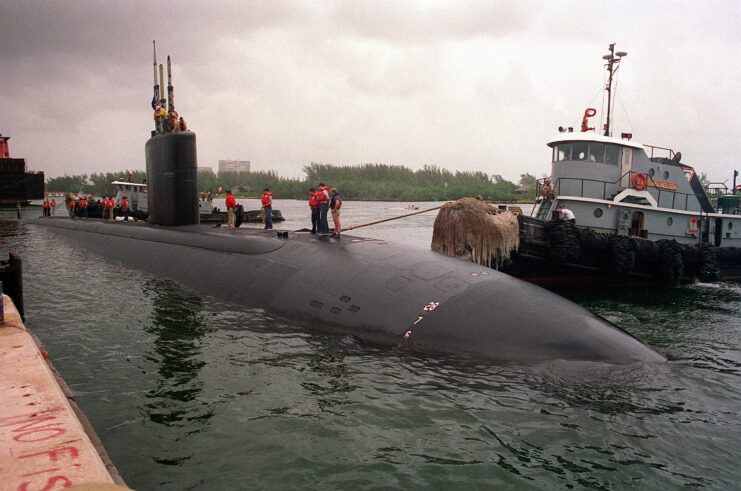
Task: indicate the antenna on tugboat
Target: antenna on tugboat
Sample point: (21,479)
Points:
(613,61)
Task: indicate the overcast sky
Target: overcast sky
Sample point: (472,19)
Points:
(465,85)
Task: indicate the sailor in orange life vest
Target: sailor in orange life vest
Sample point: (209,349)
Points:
(335,203)
(70,206)
(267,206)
(45,208)
(125,208)
(108,208)
(82,205)
(104,204)
(314,207)
(231,207)
(53,206)
(566,214)
(323,198)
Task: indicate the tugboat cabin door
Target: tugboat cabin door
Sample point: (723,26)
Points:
(636,224)
(718,231)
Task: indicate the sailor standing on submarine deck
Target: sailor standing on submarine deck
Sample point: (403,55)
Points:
(231,206)
(314,207)
(323,197)
(335,203)
(267,205)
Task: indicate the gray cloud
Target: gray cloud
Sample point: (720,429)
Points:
(464,85)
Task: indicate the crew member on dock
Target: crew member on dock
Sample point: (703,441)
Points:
(231,207)
(314,207)
(323,197)
(267,205)
(45,208)
(335,203)
(53,206)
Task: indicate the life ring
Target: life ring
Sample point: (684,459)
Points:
(638,181)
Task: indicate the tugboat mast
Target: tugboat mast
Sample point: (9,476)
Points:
(613,62)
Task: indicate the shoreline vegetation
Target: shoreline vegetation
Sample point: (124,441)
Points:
(365,182)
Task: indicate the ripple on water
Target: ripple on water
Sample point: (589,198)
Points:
(188,392)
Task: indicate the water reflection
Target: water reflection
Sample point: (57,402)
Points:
(178,328)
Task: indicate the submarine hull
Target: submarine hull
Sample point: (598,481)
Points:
(375,290)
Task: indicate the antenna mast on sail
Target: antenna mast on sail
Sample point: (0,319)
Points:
(613,62)
(156,98)
(170,90)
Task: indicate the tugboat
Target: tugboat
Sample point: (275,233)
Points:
(17,184)
(637,212)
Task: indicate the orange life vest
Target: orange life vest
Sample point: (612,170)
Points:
(124,204)
(46,204)
(82,203)
(321,195)
(266,198)
(313,201)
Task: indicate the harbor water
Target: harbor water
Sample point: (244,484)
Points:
(188,392)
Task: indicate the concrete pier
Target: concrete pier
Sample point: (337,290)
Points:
(45,440)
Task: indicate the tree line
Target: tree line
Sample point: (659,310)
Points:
(359,182)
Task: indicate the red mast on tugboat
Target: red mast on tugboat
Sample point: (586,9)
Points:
(612,65)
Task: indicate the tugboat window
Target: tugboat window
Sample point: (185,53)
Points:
(598,212)
(669,221)
(597,152)
(730,225)
(612,154)
(579,151)
(563,152)
(666,174)
(651,172)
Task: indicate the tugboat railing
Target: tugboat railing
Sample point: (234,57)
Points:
(676,196)
(654,147)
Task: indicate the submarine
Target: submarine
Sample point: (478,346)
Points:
(374,290)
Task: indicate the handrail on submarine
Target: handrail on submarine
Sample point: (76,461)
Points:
(393,218)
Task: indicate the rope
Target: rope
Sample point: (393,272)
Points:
(392,218)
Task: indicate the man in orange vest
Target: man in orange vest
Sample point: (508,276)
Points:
(231,207)
(45,208)
(323,198)
(82,205)
(53,206)
(267,206)
(111,205)
(125,208)
(314,207)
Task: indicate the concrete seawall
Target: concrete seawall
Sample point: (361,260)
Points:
(46,442)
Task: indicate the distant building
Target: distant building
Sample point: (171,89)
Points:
(234,165)
(205,169)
